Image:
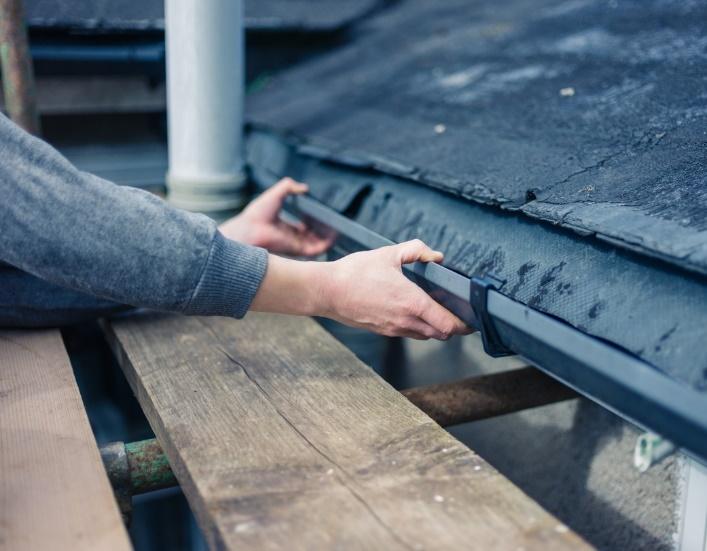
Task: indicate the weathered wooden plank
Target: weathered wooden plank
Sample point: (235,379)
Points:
(54,492)
(282,439)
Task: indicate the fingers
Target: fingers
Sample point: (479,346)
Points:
(432,313)
(285,187)
(416,251)
(433,320)
(298,241)
(443,320)
(266,206)
(415,328)
(299,226)
(313,244)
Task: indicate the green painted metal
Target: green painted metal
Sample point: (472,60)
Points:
(136,468)
(149,467)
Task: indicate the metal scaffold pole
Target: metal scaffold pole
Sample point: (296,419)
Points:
(16,63)
(136,468)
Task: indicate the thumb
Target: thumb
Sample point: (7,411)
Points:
(267,205)
(285,187)
(416,250)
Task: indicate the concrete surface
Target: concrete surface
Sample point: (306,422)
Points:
(574,458)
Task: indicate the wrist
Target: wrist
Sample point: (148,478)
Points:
(295,287)
(321,287)
(239,229)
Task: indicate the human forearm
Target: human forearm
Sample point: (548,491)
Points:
(293,287)
(28,301)
(366,290)
(81,232)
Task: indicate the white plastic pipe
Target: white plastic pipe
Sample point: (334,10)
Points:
(205,61)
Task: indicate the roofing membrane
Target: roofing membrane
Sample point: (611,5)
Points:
(145,15)
(591,115)
(644,306)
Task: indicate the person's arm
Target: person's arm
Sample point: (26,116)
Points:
(365,289)
(78,231)
(126,245)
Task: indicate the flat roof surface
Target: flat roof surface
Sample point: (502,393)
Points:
(589,115)
(642,305)
(145,15)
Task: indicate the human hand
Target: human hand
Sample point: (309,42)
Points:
(259,224)
(366,290)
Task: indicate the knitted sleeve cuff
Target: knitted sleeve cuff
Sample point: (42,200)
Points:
(230,280)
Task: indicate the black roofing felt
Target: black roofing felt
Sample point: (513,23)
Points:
(588,114)
(640,304)
(145,15)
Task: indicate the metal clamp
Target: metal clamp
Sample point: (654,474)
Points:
(478,297)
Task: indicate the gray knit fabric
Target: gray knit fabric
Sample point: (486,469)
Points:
(74,246)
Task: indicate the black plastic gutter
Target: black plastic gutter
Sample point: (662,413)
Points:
(619,381)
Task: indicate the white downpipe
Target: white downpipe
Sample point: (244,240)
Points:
(205,59)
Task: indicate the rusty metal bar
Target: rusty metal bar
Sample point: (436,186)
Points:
(16,64)
(487,396)
(149,468)
(116,463)
(136,468)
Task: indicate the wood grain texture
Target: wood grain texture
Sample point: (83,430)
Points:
(282,439)
(54,491)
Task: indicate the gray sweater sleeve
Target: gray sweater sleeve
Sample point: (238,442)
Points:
(123,244)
